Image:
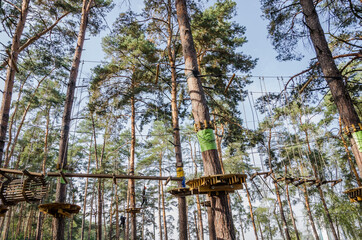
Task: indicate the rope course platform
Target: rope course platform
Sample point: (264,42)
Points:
(354,194)
(30,188)
(3,210)
(59,209)
(183,192)
(216,184)
(133,210)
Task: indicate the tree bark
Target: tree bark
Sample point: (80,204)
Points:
(225,225)
(331,73)
(10,76)
(61,192)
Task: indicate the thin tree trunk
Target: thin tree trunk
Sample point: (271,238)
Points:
(332,75)
(319,187)
(20,220)
(211,219)
(117,215)
(251,211)
(175,125)
(198,204)
(196,230)
(39,227)
(61,192)
(261,231)
(307,206)
(126,231)
(280,204)
(111,215)
(279,226)
(225,226)
(131,182)
(71,222)
(86,191)
(242,229)
(5,231)
(99,213)
(10,76)
(290,206)
(91,216)
(163,200)
(159,209)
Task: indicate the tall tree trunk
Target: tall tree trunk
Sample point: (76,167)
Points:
(198,204)
(61,192)
(332,75)
(6,227)
(10,76)
(261,231)
(111,215)
(175,125)
(211,219)
(280,204)
(251,211)
(131,182)
(195,222)
(159,209)
(20,220)
(225,225)
(86,191)
(290,205)
(91,215)
(242,229)
(279,226)
(163,200)
(315,172)
(39,227)
(117,215)
(307,206)
(100,210)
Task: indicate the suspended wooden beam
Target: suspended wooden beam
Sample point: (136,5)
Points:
(89,175)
